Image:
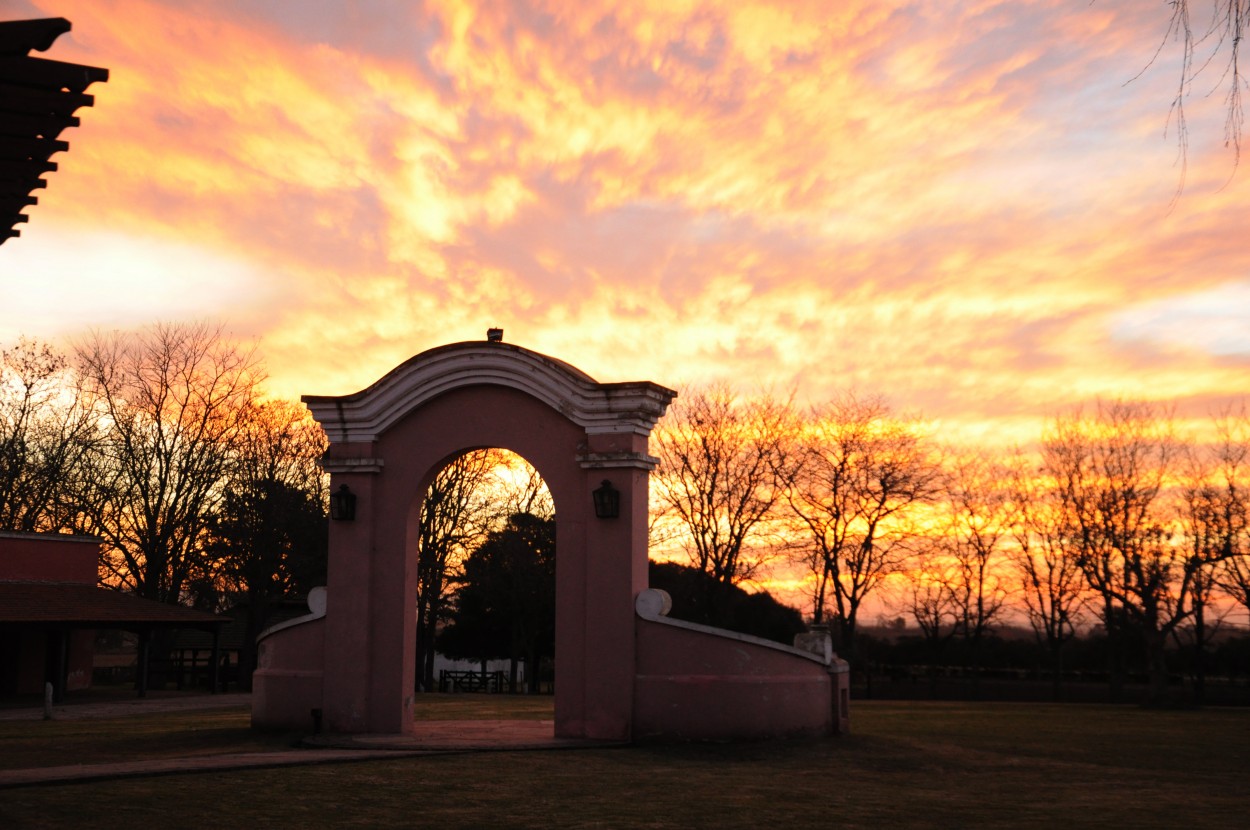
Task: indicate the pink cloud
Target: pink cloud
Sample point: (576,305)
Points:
(950,205)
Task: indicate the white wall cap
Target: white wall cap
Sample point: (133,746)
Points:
(316,605)
(653,605)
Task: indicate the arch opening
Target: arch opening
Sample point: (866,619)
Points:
(482,534)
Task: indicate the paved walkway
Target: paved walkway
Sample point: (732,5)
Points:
(83,773)
(431,738)
(463,736)
(120,707)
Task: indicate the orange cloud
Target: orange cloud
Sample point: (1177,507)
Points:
(957,207)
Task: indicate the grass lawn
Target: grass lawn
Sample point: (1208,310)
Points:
(938,765)
(30,743)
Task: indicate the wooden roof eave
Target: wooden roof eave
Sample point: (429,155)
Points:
(49,74)
(17,37)
(38,101)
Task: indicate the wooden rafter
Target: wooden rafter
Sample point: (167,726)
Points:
(38,98)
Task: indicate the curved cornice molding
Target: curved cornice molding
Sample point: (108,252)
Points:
(597,407)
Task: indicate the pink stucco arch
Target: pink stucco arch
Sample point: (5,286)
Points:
(623,670)
(387,443)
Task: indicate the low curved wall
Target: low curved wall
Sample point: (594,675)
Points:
(695,682)
(287,683)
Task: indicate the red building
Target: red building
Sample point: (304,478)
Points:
(51,606)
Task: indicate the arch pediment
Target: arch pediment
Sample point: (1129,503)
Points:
(599,408)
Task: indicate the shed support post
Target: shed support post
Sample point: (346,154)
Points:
(215,673)
(141,671)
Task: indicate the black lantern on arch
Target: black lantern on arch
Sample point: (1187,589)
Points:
(343,504)
(607,501)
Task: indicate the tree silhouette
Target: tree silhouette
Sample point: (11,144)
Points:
(855,474)
(981,514)
(1215,515)
(1224,33)
(46,434)
(720,478)
(505,604)
(1111,471)
(758,613)
(172,401)
(456,513)
(268,538)
(1052,586)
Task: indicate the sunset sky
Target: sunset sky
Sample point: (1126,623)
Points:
(969,207)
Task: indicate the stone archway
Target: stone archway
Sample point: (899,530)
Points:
(625,670)
(387,443)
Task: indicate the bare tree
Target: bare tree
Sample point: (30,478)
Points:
(1111,470)
(1231,478)
(719,477)
(268,537)
(518,488)
(1053,586)
(476,494)
(1223,33)
(981,516)
(456,515)
(45,434)
(930,598)
(505,602)
(173,402)
(271,518)
(1215,517)
(854,475)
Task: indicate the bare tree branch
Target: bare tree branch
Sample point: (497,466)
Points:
(856,472)
(721,459)
(45,436)
(172,403)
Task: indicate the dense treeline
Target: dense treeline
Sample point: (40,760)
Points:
(161,443)
(1011,664)
(1115,521)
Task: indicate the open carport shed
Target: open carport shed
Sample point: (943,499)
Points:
(50,607)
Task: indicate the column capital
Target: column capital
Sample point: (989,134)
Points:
(352,465)
(611,460)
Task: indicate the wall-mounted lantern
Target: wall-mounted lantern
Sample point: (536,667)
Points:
(607,501)
(343,505)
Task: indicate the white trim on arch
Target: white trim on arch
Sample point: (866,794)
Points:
(597,407)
